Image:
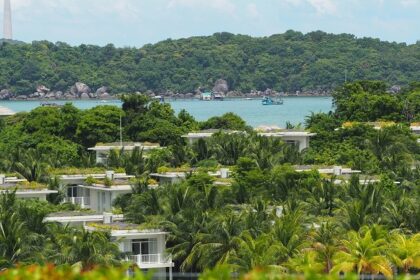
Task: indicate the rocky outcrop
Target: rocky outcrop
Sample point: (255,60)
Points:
(42,89)
(5,94)
(221,86)
(79,89)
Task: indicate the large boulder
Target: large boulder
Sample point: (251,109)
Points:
(6,94)
(42,89)
(84,95)
(221,86)
(101,91)
(79,88)
(105,95)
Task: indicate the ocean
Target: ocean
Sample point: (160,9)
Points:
(294,109)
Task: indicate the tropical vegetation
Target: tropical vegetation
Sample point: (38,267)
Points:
(269,218)
(288,62)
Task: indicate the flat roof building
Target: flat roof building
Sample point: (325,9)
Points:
(103,150)
(24,189)
(295,137)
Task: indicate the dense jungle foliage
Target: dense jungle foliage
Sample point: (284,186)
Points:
(268,215)
(286,62)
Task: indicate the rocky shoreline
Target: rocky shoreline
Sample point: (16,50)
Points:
(81,91)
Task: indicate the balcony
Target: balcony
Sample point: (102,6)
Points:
(83,202)
(152,260)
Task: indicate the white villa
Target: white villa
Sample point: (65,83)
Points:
(97,195)
(177,177)
(81,218)
(143,247)
(295,137)
(103,150)
(298,138)
(332,170)
(24,189)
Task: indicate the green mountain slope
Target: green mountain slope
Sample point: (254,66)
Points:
(285,62)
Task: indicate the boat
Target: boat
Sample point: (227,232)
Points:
(269,101)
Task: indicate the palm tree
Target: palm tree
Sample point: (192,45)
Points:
(325,244)
(261,251)
(30,165)
(287,232)
(362,254)
(305,261)
(85,248)
(16,242)
(219,245)
(405,252)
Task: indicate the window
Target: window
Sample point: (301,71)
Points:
(144,246)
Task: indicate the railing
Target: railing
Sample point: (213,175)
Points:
(82,201)
(151,259)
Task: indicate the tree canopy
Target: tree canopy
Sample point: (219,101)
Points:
(287,62)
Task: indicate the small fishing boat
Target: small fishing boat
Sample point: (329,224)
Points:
(269,101)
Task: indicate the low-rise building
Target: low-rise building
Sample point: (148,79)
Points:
(95,191)
(331,170)
(81,218)
(174,177)
(143,247)
(298,138)
(103,150)
(24,189)
(294,137)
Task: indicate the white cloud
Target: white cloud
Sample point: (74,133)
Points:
(225,6)
(320,6)
(323,6)
(124,9)
(408,3)
(252,10)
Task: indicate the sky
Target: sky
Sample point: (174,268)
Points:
(137,22)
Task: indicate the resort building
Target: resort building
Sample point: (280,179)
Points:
(81,218)
(103,150)
(331,170)
(294,137)
(174,176)
(298,138)
(24,189)
(169,177)
(95,191)
(5,112)
(143,247)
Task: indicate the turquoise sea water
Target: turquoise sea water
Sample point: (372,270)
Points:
(293,110)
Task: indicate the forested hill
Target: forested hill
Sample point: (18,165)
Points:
(284,62)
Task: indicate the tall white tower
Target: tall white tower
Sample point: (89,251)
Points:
(7,24)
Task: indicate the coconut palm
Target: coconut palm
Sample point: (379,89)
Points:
(288,233)
(85,248)
(219,245)
(261,251)
(405,252)
(362,254)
